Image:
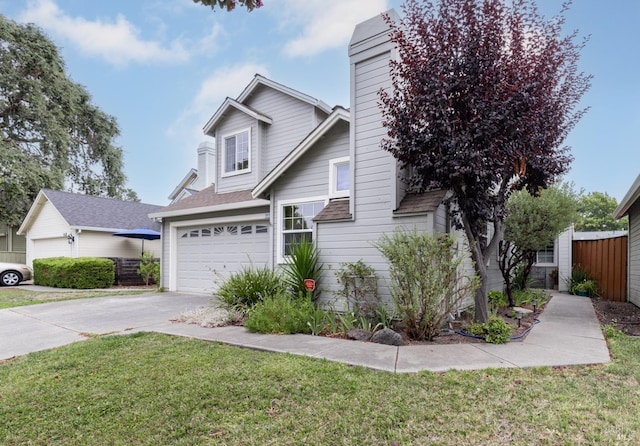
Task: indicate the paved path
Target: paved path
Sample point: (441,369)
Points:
(568,334)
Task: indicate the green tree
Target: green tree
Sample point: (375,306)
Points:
(532,223)
(50,134)
(595,211)
(230,5)
(483,94)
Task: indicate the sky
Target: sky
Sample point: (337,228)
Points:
(163,67)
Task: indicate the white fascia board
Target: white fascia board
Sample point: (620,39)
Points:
(313,137)
(41,198)
(259,79)
(188,179)
(90,228)
(228,102)
(215,208)
(630,197)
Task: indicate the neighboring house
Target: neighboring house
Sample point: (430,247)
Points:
(12,245)
(77,225)
(630,205)
(287,168)
(556,256)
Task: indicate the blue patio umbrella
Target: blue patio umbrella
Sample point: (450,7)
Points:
(139,233)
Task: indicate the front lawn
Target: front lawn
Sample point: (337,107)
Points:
(151,389)
(15,297)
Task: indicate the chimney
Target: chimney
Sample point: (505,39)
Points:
(370,51)
(206,165)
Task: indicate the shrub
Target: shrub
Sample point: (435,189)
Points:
(427,282)
(578,276)
(281,314)
(80,273)
(494,331)
(149,268)
(302,264)
(359,289)
(497,300)
(497,331)
(249,286)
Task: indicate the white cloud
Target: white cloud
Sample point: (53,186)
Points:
(118,41)
(222,83)
(326,24)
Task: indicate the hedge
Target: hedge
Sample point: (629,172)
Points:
(80,273)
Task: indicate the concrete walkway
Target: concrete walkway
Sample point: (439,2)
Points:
(568,334)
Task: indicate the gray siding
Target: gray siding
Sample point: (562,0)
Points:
(237,121)
(309,176)
(634,253)
(292,121)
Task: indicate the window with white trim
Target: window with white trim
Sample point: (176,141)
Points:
(237,152)
(296,224)
(339,177)
(546,255)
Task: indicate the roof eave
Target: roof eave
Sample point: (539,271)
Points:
(215,208)
(228,102)
(632,195)
(338,114)
(40,200)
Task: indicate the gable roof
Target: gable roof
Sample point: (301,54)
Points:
(186,181)
(207,200)
(232,103)
(82,211)
(338,114)
(257,81)
(632,195)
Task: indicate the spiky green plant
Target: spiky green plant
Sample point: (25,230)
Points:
(302,263)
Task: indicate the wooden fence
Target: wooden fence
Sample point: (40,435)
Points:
(606,262)
(126,271)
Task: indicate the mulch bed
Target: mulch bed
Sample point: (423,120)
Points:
(624,316)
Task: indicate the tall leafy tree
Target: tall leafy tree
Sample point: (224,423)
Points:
(596,213)
(484,92)
(51,135)
(533,223)
(230,5)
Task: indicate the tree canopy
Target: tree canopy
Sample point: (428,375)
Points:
(230,5)
(483,96)
(51,135)
(532,224)
(595,211)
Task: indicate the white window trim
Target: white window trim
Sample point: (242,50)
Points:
(280,205)
(555,256)
(333,178)
(224,153)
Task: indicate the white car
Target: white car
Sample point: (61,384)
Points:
(12,274)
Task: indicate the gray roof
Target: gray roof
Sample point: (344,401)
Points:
(87,211)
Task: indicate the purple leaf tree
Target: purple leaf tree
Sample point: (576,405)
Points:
(484,93)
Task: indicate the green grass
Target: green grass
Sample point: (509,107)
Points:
(12,297)
(151,389)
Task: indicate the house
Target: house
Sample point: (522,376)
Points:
(288,167)
(630,205)
(12,245)
(64,224)
(197,179)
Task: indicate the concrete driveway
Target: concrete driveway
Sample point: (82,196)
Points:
(40,327)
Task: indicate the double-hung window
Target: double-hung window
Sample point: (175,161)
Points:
(237,153)
(296,223)
(339,177)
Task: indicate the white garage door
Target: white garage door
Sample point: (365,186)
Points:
(206,255)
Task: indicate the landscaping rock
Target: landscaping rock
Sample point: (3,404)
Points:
(387,336)
(359,334)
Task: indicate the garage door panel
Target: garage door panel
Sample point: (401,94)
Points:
(206,255)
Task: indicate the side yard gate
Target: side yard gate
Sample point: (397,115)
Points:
(606,262)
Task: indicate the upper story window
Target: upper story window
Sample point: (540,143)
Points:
(237,152)
(339,177)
